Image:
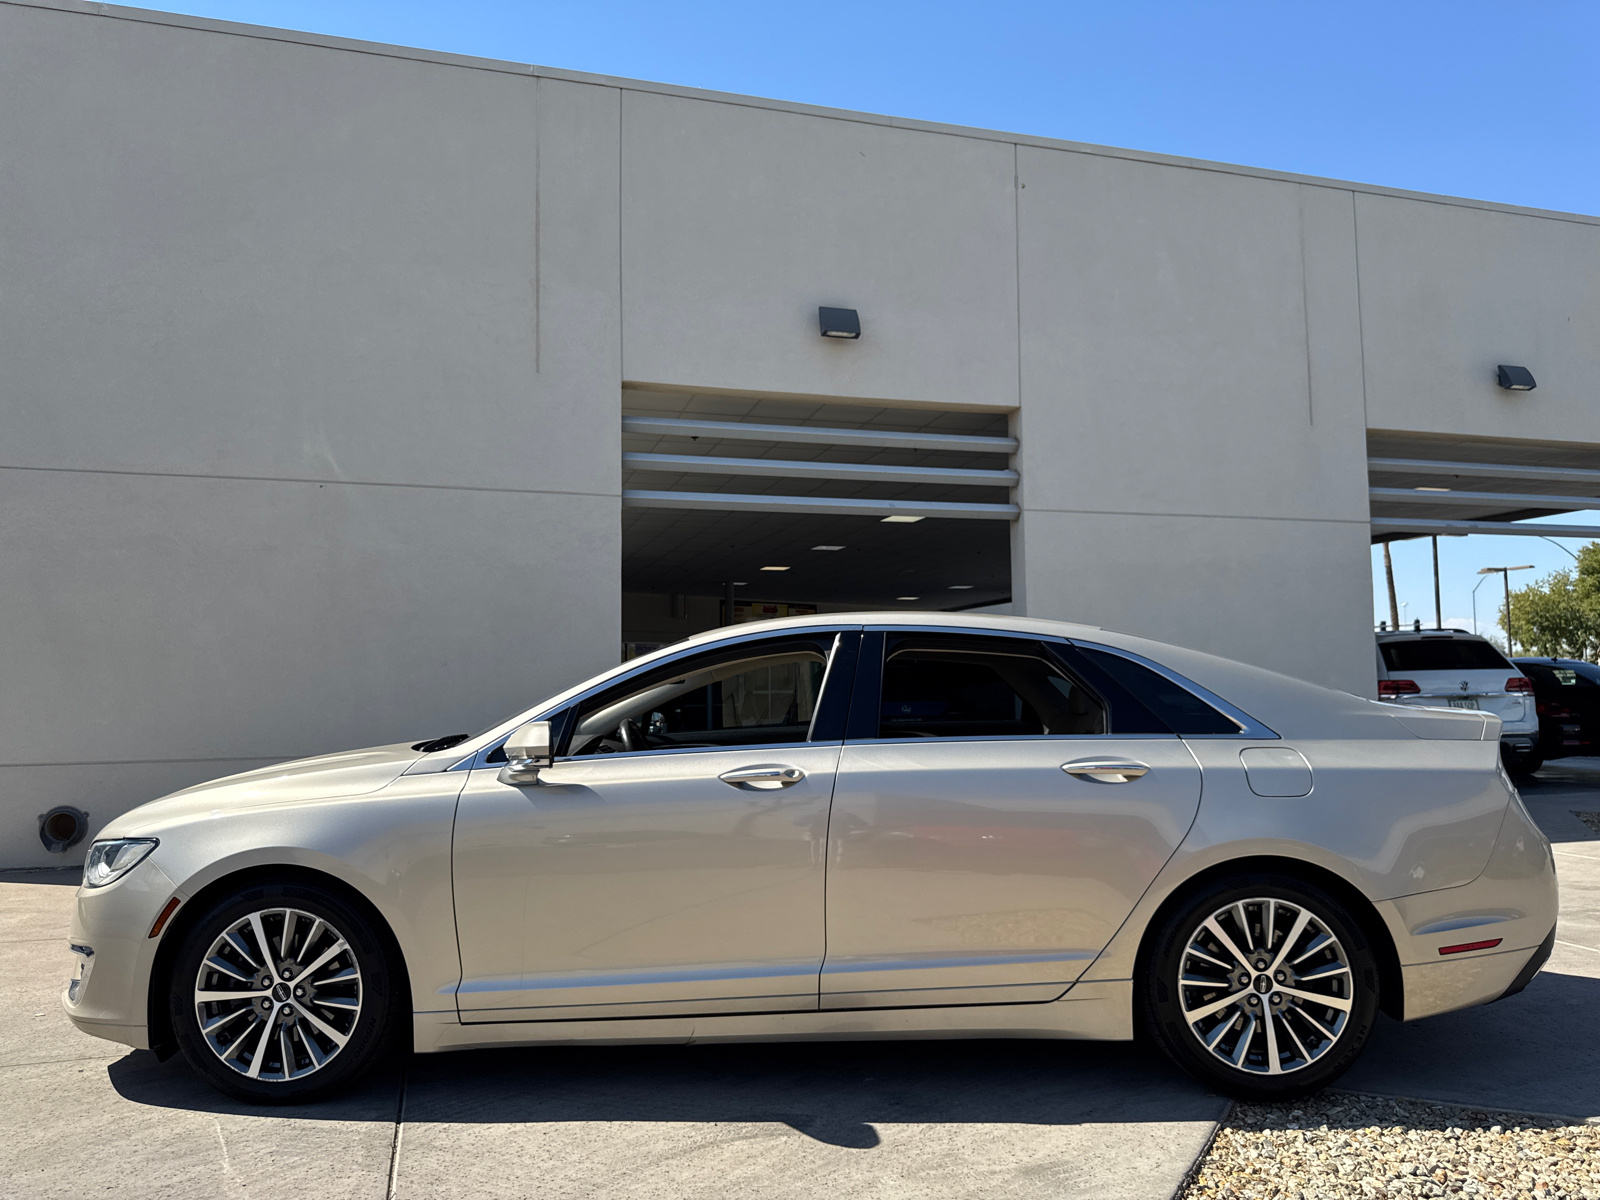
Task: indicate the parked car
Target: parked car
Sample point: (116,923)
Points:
(1005,816)
(1567,692)
(1448,668)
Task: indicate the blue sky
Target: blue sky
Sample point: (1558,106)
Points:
(1460,559)
(1497,101)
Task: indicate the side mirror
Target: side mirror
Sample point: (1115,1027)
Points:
(527,751)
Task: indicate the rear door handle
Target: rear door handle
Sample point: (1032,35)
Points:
(1106,770)
(764,778)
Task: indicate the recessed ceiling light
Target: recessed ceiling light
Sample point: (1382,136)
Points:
(827,547)
(960,587)
(774,568)
(900,520)
(1430,489)
(740,583)
(908,597)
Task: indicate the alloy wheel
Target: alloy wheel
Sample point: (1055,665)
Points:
(278,994)
(1265,986)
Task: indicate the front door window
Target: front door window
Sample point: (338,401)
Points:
(759,696)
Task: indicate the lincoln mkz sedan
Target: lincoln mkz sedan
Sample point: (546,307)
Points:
(911,825)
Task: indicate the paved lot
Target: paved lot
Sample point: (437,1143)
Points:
(997,1119)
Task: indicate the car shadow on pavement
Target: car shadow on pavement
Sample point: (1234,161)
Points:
(1518,1055)
(834,1092)
(1528,1053)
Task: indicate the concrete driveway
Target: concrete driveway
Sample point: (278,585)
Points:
(952,1119)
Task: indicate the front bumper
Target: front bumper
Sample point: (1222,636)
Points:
(108,993)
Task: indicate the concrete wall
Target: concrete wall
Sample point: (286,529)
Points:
(301,412)
(1188,431)
(1448,292)
(314,354)
(739,222)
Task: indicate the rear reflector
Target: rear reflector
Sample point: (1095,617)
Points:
(1519,683)
(1465,946)
(1397,687)
(166,913)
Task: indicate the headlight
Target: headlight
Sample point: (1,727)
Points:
(110,861)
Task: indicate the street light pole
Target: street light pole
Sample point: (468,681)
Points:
(1439,612)
(1511,645)
(1505,575)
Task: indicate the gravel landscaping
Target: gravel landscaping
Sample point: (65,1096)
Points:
(1340,1146)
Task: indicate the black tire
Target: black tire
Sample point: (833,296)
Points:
(1523,764)
(1307,1065)
(323,1003)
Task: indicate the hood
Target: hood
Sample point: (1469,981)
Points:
(349,773)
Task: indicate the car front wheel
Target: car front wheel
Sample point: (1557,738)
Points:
(1262,986)
(283,993)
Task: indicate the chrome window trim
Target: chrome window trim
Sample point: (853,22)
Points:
(1016,737)
(474,761)
(1250,727)
(666,751)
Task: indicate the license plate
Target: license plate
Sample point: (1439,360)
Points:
(1466,703)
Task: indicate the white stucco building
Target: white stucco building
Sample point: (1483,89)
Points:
(323,361)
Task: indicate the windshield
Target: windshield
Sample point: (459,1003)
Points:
(1444,654)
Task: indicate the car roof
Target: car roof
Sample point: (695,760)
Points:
(947,620)
(1401,635)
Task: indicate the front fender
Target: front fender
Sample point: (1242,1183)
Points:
(391,846)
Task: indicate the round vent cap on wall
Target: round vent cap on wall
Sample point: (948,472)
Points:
(62,828)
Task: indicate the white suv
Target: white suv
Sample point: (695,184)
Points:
(1446,668)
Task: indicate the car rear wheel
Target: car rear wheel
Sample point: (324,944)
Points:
(1262,986)
(283,993)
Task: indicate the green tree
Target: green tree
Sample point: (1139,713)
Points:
(1559,616)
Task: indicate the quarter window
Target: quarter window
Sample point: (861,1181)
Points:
(1178,708)
(981,687)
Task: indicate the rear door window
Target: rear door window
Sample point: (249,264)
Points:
(937,686)
(1443,654)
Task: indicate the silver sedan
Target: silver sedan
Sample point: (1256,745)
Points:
(917,825)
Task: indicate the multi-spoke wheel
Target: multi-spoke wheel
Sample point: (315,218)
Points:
(281,993)
(1264,987)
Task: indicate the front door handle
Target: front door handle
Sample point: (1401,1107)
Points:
(1106,770)
(765,778)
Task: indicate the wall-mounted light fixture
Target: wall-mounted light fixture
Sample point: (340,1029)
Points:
(1515,379)
(840,322)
